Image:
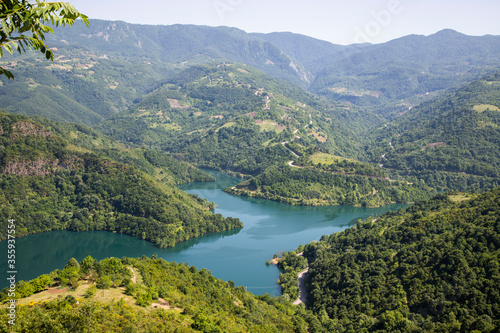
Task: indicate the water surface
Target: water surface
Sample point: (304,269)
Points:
(237,255)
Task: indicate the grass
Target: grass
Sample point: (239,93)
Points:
(325,158)
(102,295)
(168,127)
(485,107)
(266,144)
(268,125)
(228,124)
(77,149)
(459,197)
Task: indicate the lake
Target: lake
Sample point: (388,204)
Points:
(237,255)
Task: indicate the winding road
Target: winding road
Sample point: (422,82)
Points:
(302,287)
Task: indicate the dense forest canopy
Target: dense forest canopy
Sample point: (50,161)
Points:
(305,122)
(451,142)
(147,295)
(433,266)
(47,184)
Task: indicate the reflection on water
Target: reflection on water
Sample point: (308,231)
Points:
(237,255)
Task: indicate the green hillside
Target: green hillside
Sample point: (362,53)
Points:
(180,43)
(450,142)
(433,267)
(234,118)
(78,86)
(204,113)
(146,295)
(162,166)
(341,183)
(109,65)
(49,184)
(391,77)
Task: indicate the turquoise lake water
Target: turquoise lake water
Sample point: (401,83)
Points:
(237,255)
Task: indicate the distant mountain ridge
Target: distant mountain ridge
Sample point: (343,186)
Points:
(178,43)
(384,78)
(192,90)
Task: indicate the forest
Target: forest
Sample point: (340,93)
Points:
(147,295)
(433,266)
(313,186)
(304,122)
(48,184)
(451,142)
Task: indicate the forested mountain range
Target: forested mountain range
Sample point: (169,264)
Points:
(386,78)
(307,122)
(432,267)
(232,117)
(451,142)
(194,92)
(391,77)
(49,183)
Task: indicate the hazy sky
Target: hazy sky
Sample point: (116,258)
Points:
(340,22)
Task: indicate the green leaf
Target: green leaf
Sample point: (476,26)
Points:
(6,73)
(49,55)
(8,47)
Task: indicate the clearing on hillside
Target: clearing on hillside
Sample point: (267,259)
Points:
(267,125)
(325,158)
(485,107)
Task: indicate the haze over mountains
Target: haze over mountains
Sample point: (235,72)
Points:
(306,122)
(386,78)
(164,87)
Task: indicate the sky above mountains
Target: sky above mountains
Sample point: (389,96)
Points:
(340,22)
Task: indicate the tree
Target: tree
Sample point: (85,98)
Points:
(24,24)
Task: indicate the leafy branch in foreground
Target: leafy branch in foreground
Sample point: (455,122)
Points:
(18,19)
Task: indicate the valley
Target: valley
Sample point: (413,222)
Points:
(215,148)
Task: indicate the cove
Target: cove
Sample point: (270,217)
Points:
(236,255)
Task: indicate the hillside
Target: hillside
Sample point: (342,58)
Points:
(49,184)
(391,77)
(337,182)
(450,142)
(234,117)
(101,70)
(146,295)
(181,43)
(79,86)
(433,266)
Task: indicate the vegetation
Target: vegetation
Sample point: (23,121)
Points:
(201,107)
(172,95)
(342,183)
(433,267)
(169,298)
(47,184)
(389,78)
(160,165)
(226,115)
(20,17)
(447,142)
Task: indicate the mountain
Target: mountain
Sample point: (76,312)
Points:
(111,64)
(402,72)
(49,184)
(450,142)
(178,89)
(181,43)
(234,117)
(432,267)
(146,295)
(333,181)
(314,54)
